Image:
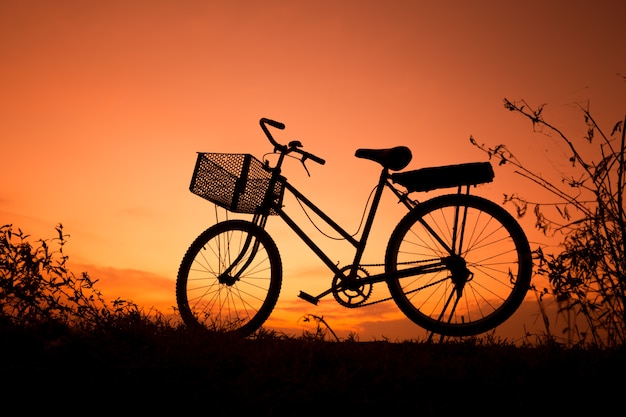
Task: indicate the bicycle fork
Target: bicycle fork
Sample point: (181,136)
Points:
(226,277)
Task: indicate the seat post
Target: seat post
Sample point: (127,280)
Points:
(384,175)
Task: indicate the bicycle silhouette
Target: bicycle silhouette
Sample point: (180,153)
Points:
(455,264)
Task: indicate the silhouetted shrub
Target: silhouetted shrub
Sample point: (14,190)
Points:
(36,287)
(588,276)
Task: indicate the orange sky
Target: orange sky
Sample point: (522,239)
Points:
(104,105)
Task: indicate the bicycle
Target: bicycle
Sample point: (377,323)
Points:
(456,264)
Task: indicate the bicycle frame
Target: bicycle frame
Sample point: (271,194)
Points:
(359,244)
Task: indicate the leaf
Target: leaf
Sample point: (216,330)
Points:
(618,127)
(539,110)
(559,210)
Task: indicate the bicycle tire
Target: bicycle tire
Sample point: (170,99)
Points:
(219,288)
(495,253)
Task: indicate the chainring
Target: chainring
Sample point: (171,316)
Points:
(354,295)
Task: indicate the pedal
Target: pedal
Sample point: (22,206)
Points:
(308,297)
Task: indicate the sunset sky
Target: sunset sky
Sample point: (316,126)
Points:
(104,104)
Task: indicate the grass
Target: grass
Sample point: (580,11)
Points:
(149,366)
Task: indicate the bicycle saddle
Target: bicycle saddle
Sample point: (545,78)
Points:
(392,158)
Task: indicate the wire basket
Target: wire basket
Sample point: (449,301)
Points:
(237,182)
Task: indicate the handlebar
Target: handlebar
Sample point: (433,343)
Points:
(275,124)
(293,146)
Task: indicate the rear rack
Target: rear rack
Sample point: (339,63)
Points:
(447,176)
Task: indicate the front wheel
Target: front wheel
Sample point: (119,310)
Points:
(459,265)
(229,279)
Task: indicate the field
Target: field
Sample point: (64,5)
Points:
(165,369)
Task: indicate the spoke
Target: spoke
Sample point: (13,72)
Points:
(445,307)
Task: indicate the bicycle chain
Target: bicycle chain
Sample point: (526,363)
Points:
(390,298)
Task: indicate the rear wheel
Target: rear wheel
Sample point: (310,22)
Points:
(229,279)
(470,265)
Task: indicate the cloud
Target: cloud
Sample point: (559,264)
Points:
(146,289)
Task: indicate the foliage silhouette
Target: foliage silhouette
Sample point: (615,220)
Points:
(588,277)
(37,288)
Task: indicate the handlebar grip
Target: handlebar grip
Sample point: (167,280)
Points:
(273,123)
